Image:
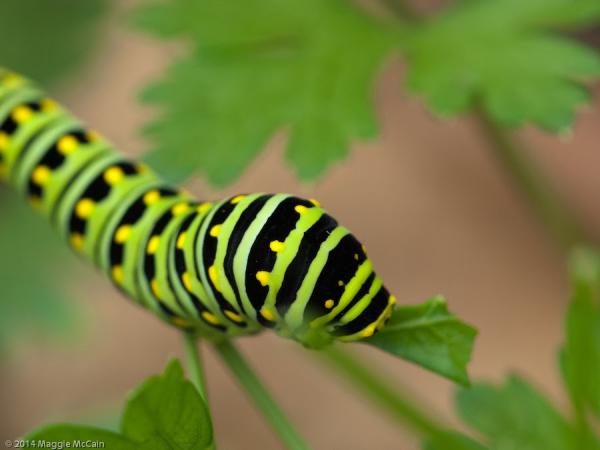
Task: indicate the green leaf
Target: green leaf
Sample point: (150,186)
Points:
(580,356)
(430,336)
(451,440)
(309,72)
(168,407)
(166,412)
(515,416)
(32,298)
(47,39)
(503,56)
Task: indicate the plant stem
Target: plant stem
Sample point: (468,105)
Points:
(196,373)
(261,397)
(195,364)
(391,398)
(546,202)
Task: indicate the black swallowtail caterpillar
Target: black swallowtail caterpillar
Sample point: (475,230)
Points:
(223,269)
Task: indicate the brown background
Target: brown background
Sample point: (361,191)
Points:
(437,214)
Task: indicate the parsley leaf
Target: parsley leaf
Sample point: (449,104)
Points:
(46,40)
(580,356)
(32,298)
(257,67)
(503,56)
(164,413)
(430,336)
(515,416)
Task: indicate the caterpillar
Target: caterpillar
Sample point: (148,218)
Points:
(223,269)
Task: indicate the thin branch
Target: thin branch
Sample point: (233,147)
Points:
(194,362)
(389,397)
(539,190)
(261,397)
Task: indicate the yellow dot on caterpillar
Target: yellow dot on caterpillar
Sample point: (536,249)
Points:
(203,207)
(117,274)
(210,318)
(214,231)
(179,209)
(3,141)
(122,234)
(22,114)
(153,244)
(214,277)
(237,199)
(67,144)
(180,322)
(267,313)
(356,256)
(155,288)
(315,202)
(48,104)
(76,241)
(329,303)
(263,277)
(92,135)
(187,281)
(392,300)
(151,197)
(84,208)
(364,249)
(11,79)
(276,246)
(113,175)
(181,241)
(234,316)
(41,175)
(300,209)
(35,202)
(369,331)
(340,283)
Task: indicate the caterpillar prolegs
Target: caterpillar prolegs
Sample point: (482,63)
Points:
(234,267)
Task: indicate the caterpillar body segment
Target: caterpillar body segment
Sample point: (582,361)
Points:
(235,267)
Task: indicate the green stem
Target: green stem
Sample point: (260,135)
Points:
(387,396)
(409,412)
(261,397)
(194,362)
(196,373)
(546,202)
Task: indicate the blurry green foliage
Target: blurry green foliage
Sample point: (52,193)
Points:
(502,56)
(165,412)
(580,356)
(256,67)
(451,440)
(259,66)
(34,265)
(44,40)
(518,416)
(515,415)
(430,336)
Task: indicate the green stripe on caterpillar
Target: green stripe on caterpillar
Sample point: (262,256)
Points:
(234,267)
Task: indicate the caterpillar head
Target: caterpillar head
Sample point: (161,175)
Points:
(329,289)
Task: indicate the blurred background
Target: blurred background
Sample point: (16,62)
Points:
(429,200)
